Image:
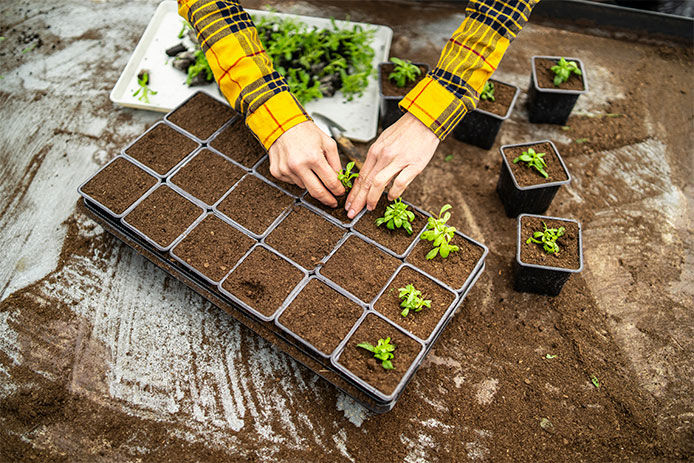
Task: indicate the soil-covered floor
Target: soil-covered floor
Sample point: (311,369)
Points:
(103,357)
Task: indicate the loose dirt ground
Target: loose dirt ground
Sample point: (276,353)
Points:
(105,358)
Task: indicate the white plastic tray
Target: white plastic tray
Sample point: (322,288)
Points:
(359,117)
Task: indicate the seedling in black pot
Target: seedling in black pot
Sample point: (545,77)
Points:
(396,79)
(555,85)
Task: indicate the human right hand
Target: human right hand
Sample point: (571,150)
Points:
(306,156)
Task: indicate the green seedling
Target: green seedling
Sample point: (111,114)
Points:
(547,238)
(143,90)
(411,300)
(448,158)
(404,72)
(346,175)
(533,159)
(397,216)
(581,140)
(184,28)
(594,380)
(200,65)
(562,71)
(550,356)
(383,351)
(440,234)
(488,92)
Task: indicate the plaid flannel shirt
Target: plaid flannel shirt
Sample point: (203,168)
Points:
(249,82)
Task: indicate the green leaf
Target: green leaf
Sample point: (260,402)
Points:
(431,254)
(594,380)
(366,345)
(550,356)
(388,365)
(448,158)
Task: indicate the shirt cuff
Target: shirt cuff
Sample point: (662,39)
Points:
(435,106)
(278,114)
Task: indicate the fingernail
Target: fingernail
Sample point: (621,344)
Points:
(369,208)
(349,203)
(351,213)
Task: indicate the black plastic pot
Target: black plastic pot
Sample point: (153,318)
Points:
(541,279)
(479,127)
(552,105)
(533,199)
(389,109)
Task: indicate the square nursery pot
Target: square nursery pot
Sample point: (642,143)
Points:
(390,95)
(522,188)
(548,104)
(117,186)
(320,316)
(542,273)
(160,149)
(201,115)
(237,142)
(480,127)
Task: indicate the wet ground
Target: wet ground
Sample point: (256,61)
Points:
(103,357)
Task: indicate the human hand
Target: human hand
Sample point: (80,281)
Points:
(403,149)
(306,156)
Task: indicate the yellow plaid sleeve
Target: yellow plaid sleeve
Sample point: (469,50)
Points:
(242,68)
(470,57)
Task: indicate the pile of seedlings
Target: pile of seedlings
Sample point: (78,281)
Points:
(187,56)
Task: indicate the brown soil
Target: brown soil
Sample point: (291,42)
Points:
(202,115)
(360,268)
(263,281)
(396,240)
(264,170)
(503,97)
(305,237)
(389,88)
(454,269)
(526,175)
(161,149)
(238,143)
(207,176)
(362,363)
(254,204)
(321,316)
(533,253)
(421,323)
(119,185)
(338,212)
(213,247)
(545,76)
(163,215)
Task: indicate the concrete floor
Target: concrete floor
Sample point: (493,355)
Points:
(137,342)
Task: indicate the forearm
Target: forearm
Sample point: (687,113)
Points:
(470,57)
(242,68)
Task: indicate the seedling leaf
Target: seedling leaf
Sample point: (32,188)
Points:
(562,71)
(346,175)
(547,238)
(404,72)
(440,234)
(383,351)
(533,160)
(412,300)
(594,380)
(397,216)
(488,92)
(143,90)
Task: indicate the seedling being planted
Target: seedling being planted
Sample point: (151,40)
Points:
(144,91)
(383,351)
(440,234)
(404,72)
(547,238)
(488,92)
(346,175)
(397,216)
(412,300)
(533,159)
(562,71)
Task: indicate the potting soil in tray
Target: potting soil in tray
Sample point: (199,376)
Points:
(397,240)
(238,143)
(422,323)
(161,148)
(338,212)
(363,364)
(263,281)
(254,204)
(263,170)
(390,89)
(213,247)
(119,185)
(533,253)
(455,269)
(545,76)
(503,97)
(526,175)
(207,176)
(201,115)
(321,316)
(359,267)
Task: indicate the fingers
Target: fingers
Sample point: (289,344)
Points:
(380,180)
(316,189)
(358,184)
(324,168)
(402,181)
(330,150)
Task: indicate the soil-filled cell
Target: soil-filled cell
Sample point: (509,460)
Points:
(161,148)
(526,175)
(568,256)
(202,115)
(238,143)
(397,240)
(207,176)
(455,269)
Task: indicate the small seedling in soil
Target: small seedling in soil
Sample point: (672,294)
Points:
(346,175)
(404,72)
(383,351)
(448,158)
(533,159)
(594,380)
(397,216)
(440,234)
(412,300)
(581,140)
(198,67)
(547,238)
(488,92)
(562,71)
(144,91)
(550,356)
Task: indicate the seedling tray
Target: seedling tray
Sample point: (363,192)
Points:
(326,363)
